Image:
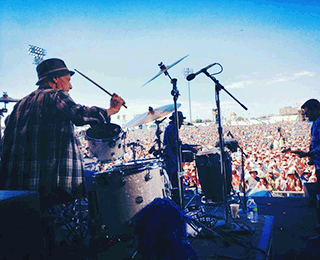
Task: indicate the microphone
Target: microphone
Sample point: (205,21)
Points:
(193,75)
(229,134)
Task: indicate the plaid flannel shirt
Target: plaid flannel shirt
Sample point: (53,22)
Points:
(39,149)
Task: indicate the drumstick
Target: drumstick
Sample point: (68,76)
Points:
(97,85)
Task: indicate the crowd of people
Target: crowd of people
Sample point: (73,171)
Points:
(268,159)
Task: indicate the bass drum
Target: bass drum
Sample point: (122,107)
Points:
(106,142)
(125,189)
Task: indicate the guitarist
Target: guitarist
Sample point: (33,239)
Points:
(311,110)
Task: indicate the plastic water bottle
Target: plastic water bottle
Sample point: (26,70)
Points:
(255,213)
(252,211)
(249,210)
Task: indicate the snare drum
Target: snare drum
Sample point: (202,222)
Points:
(124,190)
(106,142)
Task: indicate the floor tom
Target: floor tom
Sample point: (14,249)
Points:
(125,189)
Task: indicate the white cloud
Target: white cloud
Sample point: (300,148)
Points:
(293,77)
(305,73)
(240,84)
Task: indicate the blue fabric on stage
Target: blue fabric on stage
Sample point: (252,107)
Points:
(161,231)
(89,181)
(262,193)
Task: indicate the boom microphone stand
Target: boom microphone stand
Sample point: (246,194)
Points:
(218,88)
(192,222)
(175,94)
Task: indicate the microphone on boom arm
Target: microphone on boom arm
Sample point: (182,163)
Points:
(193,75)
(229,134)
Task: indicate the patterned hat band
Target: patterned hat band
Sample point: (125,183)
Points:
(54,71)
(52,68)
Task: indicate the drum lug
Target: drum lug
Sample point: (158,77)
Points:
(139,200)
(147,177)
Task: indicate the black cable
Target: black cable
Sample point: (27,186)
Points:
(221,69)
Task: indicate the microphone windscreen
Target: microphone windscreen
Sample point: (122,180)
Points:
(191,77)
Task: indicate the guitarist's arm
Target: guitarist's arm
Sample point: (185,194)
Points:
(298,152)
(303,154)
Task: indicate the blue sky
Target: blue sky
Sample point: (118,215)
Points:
(269,51)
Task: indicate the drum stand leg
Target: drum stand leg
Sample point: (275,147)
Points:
(70,222)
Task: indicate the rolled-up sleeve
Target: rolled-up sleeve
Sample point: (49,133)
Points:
(79,114)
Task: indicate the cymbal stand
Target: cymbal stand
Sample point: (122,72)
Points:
(218,88)
(133,148)
(3,110)
(175,94)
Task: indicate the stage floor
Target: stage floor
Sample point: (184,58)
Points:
(294,222)
(284,223)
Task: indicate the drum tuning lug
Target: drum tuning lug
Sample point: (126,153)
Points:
(147,177)
(139,200)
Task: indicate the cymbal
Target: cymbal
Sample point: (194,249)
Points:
(151,115)
(165,69)
(6,99)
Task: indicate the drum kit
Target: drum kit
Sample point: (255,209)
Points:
(123,189)
(118,193)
